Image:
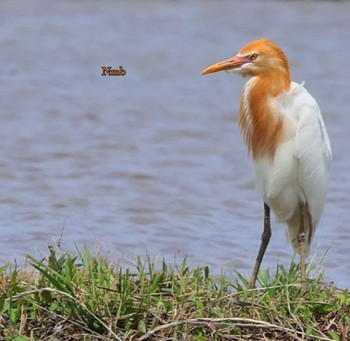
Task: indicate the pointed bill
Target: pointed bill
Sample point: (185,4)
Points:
(226,65)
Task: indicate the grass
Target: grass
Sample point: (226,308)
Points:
(86,297)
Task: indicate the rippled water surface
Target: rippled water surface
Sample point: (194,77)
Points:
(153,161)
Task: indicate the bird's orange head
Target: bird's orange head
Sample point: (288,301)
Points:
(256,58)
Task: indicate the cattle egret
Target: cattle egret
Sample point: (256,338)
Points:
(287,139)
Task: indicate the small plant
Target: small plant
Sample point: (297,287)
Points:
(87,297)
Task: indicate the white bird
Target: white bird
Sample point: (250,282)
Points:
(287,139)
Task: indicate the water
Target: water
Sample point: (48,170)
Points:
(154,161)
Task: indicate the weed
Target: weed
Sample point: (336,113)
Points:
(87,297)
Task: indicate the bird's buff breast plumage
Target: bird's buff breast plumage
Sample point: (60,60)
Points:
(261,122)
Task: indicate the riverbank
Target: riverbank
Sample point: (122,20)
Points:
(85,296)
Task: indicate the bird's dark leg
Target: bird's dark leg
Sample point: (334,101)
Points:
(265,238)
(301,241)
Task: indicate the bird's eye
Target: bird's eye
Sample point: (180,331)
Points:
(253,56)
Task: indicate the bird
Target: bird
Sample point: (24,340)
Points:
(286,137)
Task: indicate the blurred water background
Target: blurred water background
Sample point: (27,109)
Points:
(153,162)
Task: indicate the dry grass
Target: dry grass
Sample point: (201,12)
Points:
(86,297)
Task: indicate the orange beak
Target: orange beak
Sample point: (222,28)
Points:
(225,65)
